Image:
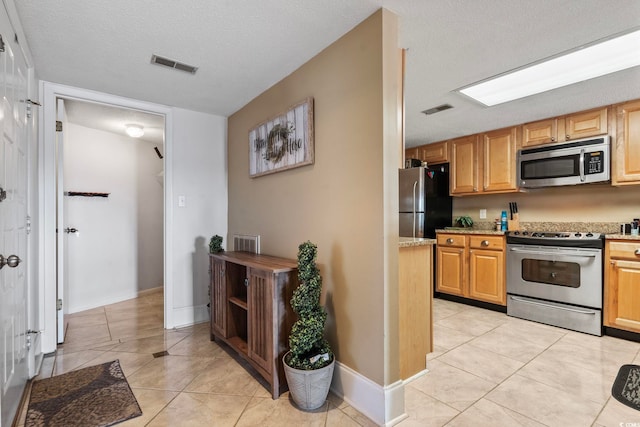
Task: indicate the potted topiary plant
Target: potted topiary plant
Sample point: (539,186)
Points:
(215,244)
(309,363)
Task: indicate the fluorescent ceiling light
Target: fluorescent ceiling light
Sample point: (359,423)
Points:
(594,60)
(135,131)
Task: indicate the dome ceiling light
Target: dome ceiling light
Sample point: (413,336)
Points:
(135,131)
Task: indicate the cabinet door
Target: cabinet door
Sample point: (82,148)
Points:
(499,149)
(626,154)
(622,307)
(412,153)
(464,165)
(487,276)
(218,297)
(451,271)
(435,153)
(260,316)
(585,124)
(541,132)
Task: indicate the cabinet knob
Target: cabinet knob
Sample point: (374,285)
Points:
(637,252)
(567,137)
(553,139)
(450,241)
(485,243)
(246,282)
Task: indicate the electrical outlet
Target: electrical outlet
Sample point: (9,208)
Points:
(182,201)
(483,214)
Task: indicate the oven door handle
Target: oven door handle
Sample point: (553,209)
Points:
(575,310)
(526,251)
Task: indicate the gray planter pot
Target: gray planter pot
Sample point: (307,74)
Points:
(309,389)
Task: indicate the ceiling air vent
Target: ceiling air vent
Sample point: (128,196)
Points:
(159,60)
(437,109)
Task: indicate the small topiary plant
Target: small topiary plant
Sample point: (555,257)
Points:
(215,244)
(308,348)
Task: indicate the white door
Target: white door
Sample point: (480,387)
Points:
(61,278)
(13,223)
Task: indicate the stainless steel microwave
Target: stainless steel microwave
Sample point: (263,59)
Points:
(581,161)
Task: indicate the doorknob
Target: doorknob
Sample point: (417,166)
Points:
(70,230)
(12,261)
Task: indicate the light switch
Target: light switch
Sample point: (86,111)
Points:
(483,214)
(182,201)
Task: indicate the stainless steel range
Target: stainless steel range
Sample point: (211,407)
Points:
(556,278)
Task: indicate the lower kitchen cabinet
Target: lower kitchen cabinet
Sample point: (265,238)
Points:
(472,266)
(622,285)
(250,309)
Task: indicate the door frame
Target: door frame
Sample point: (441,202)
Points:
(49,92)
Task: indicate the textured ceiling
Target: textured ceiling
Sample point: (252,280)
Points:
(243,47)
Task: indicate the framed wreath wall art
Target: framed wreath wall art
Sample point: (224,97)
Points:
(283,142)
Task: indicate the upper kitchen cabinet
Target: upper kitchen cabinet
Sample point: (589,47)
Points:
(435,153)
(485,163)
(541,132)
(499,153)
(465,165)
(412,153)
(626,153)
(585,124)
(573,126)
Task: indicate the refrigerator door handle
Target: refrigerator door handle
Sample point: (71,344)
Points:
(415,185)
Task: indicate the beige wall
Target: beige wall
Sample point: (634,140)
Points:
(346,202)
(581,203)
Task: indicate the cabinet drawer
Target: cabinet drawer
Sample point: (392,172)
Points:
(624,250)
(486,242)
(456,240)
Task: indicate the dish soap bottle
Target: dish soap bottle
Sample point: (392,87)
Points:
(503,221)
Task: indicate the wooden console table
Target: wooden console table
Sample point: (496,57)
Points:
(251,310)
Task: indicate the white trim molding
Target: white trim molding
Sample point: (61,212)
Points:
(49,92)
(384,405)
(188,316)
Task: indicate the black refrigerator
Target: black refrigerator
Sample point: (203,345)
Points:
(425,203)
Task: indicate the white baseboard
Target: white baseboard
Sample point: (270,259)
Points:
(187,316)
(383,405)
(145,292)
(102,301)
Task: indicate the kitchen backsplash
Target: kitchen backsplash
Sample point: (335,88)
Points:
(581,204)
(596,227)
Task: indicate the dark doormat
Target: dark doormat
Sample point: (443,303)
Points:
(90,397)
(626,387)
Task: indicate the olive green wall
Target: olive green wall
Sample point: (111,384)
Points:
(346,202)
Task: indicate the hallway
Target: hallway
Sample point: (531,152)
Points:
(179,376)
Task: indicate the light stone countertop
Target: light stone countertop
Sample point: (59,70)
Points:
(406,242)
(460,230)
(622,237)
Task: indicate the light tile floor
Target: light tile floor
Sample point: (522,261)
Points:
(197,383)
(487,369)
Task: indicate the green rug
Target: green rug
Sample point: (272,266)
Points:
(626,387)
(90,397)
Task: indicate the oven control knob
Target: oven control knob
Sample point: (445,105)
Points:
(578,234)
(525,233)
(589,234)
(515,233)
